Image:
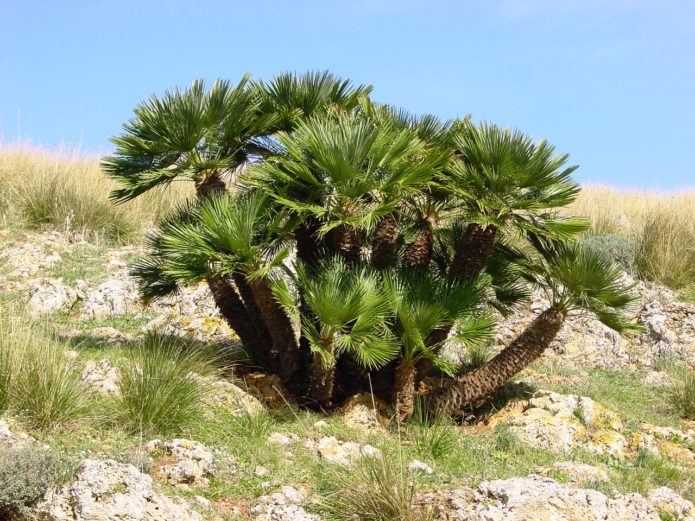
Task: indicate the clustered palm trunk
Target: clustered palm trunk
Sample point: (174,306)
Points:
(314,226)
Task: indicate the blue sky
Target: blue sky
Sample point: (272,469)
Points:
(612,82)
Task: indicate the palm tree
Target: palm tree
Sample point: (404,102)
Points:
(574,279)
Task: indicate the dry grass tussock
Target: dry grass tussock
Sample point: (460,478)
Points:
(659,228)
(65,189)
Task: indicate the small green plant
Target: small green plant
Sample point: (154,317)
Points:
(682,396)
(47,388)
(432,435)
(374,489)
(256,425)
(26,473)
(478,355)
(160,387)
(505,439)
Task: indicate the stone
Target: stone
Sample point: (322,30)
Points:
(203,502)
(111,335)
(259,472)
(48,296)
(102,377)
(192,465)
(222,393)
(112,298)
(577,472)
(282,506)
(658,379)
(417,466)
(364,412)
(539,499)
(344,452)
(109,490)
(321,424)
(667,501)
(15,439)
(282,439)
(562,423)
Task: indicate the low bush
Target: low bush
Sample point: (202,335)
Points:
(432,435)
(615,248)
(26,474)
(160,391)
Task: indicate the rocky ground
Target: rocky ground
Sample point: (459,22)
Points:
(587,435)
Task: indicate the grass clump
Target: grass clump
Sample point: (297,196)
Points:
(26,474)
(432,435)
(160,391)
(682,396)
(373,489)
(37,380)
(614,248)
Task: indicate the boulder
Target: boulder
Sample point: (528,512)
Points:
(577,472)
(342,452)
(192,462)
(48,296)
(112,298)
(669,502)
(282,506)
(108,490)
(102,377)
(364,412)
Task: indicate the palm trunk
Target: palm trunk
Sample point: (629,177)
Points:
(344,241)
(490,377)
(234,312)
(212,184)
(419,252)
(473,251)
(265,342)
(404,389)
(322,375)
(384,243)
(309,243)
(285,347)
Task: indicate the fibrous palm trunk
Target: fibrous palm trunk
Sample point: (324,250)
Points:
(419,252)
(384,243)
(265,342)
(285,347)
(473,251)
(404,389)
(234,312)
(323,375)
(344,241)
(490,377)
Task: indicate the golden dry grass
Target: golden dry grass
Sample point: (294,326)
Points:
(67,190)
(661,225)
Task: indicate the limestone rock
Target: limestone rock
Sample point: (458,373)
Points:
(539,499)
(344,452)
(102,377)
(669,502)
(416,466)
(279,438)
(222,393)
(577,472)
(49,295)
(112,298)
(111,335)
(192,462)
(108,490)
(282,506)
(363,411)
(9,438)
(561,423)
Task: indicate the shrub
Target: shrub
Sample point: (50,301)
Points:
(26,474)
(48,387)
(615,248)
(374,489)
(682,396)
(159,387)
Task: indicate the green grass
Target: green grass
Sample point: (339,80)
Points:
(158,393)
(682,396)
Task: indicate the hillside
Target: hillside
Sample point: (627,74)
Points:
(148,408)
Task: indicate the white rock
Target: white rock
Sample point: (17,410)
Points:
(418,466)
(282,439)
(344,452)
(282,506)
(670,502)
(111,298)
(193,462)
(102,377)
(108,491)
(49,295)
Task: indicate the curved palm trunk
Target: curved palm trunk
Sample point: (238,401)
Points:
(285,347)
(234,312)
(473,251)
(487,379)
(322,376)
(419,252)
(384,243)
(404,389)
